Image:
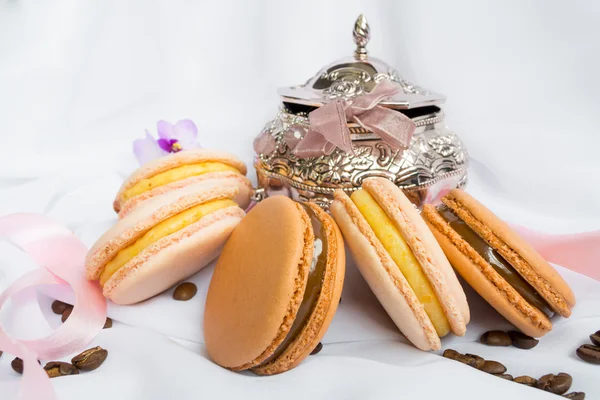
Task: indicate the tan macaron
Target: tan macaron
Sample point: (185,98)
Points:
(163,241)
(275,288)
(402,262)
(505,270)
(180,169)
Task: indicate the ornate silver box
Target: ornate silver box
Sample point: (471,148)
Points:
(434,161)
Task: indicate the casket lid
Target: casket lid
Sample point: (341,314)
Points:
(351,76)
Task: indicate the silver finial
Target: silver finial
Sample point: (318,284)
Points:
(361,34)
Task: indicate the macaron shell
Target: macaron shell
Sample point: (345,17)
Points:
(383,275)
(529,263)
(327,303)
(144,217)
(258,284)
(174,160)
(485,280)
(172,258)
(219,179)
(426,250)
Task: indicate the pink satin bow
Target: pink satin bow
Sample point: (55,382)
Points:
(329,125)
(329,128)
(61,257)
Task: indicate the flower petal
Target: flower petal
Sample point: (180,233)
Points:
(164,129)
(164,144)
(147,149)
(186,132)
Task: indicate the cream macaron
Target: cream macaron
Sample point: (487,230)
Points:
(504,269)
(275,287)
(181,169)
(402,262)
(162,241)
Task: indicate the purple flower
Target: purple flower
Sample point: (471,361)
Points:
(171,139)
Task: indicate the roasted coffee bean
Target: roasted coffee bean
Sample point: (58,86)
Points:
(575,395)
(185,291)
(66,314)
(522,341)
(1,353)
(493,367)
(526,380)
(595,338)
(508,377)
(58,307)
(17,365)
(59,368)
(470,359)
(557,384)
(317,349)
(107,323)
(589,353)
(90,359)
(495,338)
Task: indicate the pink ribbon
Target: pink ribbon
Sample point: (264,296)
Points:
(579,252)
(329,127)
(61,257)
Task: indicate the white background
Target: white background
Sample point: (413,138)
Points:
(79,81)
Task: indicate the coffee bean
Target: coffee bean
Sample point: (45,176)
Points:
(508,377)
(58,368)
(58,307)
(185,291)
(472,360)
(595,338)
(66,314)
(495,338)
(557,384)
(90,359)
(1,353)
(493,367)
(575,395)
(17,365)
(526,380)
(522,341)
(589,353)
(107,323)
(317,349)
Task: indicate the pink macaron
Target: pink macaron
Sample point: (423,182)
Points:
(163,241)
(179,170)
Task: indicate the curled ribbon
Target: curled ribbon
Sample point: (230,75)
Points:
(329,125)
(61,257)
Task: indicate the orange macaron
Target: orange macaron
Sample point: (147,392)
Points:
(504,269)
(181,169)
(275,288)
(163,241)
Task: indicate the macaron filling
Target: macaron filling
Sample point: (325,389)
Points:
(314,285)
(492,257)
(400,252)
(175,174)
(162,229)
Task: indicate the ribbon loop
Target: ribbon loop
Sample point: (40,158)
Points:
(329,123)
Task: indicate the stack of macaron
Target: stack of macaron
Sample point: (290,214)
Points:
(175,214)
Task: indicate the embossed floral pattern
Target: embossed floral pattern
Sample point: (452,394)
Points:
(442,145)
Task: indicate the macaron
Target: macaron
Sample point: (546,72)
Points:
(402,262)
(178,170)
(163,241)
(275,288)
(505,270)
